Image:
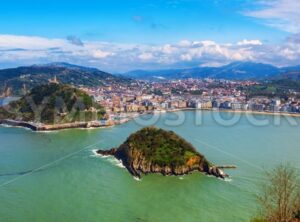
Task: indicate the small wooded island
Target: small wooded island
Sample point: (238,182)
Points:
(153,150)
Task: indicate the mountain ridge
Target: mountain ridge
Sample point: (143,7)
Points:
(232,71)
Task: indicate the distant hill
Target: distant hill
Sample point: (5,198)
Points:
(292,75)
(235,71)
(291,69)
(281,85)
(31,76)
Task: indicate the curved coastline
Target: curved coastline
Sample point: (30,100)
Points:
(96,124)
(239,111)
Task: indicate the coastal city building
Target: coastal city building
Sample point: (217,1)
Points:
(149,97)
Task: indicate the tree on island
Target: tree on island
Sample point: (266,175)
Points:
(279,197)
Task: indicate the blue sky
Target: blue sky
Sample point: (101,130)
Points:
(119,35)
(135,21)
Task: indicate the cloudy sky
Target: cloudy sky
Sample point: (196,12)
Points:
(122,35)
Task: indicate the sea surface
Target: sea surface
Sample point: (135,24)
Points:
(55,176)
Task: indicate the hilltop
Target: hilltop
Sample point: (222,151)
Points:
(22,79)
(154,150)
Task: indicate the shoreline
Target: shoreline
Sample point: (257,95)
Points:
(270,113)
(54,127)
(238,111)
(96,124)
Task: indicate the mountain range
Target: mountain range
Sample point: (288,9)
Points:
(234,71)
(21,79)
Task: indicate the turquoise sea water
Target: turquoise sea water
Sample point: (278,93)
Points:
(70,183)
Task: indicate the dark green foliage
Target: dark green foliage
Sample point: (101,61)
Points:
(196,92)
(175,91)
(55,103)
(162,147)
(157,92)
(5,114)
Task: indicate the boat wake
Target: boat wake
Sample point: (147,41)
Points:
(21,173)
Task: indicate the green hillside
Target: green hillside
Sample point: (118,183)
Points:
(54,103)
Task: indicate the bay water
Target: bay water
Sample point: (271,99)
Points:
(55,176)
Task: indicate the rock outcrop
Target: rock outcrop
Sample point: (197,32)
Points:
(153,150)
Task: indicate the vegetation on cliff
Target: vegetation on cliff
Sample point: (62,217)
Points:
(53,103)
(162,147)
(5,114)
(153,150)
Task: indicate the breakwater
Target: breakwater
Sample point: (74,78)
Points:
(43,127)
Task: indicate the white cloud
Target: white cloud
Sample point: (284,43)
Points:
(101,54)
(205,43)
(168,49)
(250,42)
(27,50)
(281,14)
(145,56)
(184,43)
(186,57)
(29,42)
(288,53)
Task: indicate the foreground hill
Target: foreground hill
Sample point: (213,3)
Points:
(235,71)
(16,79)
(153,150)
(53,104)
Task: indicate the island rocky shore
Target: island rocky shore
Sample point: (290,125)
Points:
(138,161)
(139,165)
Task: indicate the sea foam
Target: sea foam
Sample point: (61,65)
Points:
(110,159)
(95,154)
(137,179)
